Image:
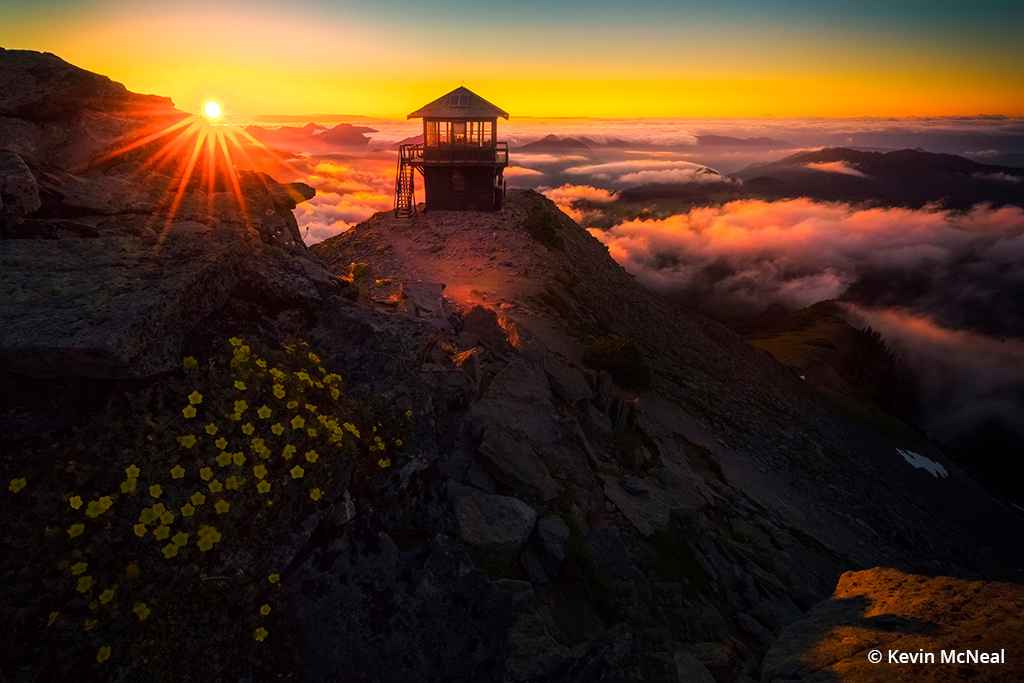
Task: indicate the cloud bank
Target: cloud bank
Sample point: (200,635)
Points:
(748,257)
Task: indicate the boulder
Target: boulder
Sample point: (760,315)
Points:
(887,610)
(514,463)
(494,525)
(567,383)
(611,558)
(19,191)
(552,535)
(289,195)
(482,323)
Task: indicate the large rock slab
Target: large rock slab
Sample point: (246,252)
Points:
(111,307)
(519,401)
(514,463)
(892,612)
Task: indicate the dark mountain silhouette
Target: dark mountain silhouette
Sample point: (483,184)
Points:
(552,144)
(312,137)
(901,178)
(765,143)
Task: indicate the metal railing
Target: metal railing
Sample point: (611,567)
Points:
(454,154)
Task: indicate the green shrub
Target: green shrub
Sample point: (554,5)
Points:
(621,358)
(543,227)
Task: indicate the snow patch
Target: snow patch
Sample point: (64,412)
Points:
(921,462)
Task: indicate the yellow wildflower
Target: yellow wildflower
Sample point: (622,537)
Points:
(76,502)
(408,413)
(142,610)
(248,429)
(313,357)
(224,459)
(240,385)
(195,398)
(311,456)
(352,428)
(260,634)
(140,529)
(315,494)
(241,406)
(177,472)
(189,411)
(180,538)
(53,618)
(289,451)
(215,486)
(235,341)
(128,485)
(79,568)
(188,362)
(132,571)
(265,610)
(303,376)
(278,429)
(335,393)
(236,416)
(94,508)
(198,499)
(221,443)
(148,516)
(17,484)
(312,432)
(262,363)
(106,502)
(106,596)
(231,483)
(188,441)
(161,532)
(398,442)
(90,624)
(187,510)
(104,654)
(263,486)
(260,471)
(156,490)
(292,405)
(211,429)
(132,471)
(274,578)
(263,412)
(238,458)
(297,472)
(206,473)
(167,517)
(222,506)
(169,550)
(278,391)
(159,509)
(84,584)
(384,462)
(310,407)
(298,422)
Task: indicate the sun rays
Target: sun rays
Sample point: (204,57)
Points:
(194,153)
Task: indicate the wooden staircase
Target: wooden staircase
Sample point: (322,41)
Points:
(405,189)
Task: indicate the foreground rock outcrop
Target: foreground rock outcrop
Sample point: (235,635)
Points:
(109,259)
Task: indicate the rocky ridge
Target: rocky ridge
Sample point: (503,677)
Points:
(553,521)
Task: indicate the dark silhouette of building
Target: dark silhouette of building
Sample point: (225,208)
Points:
(460,158)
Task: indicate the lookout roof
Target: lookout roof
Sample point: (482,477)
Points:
(461,103)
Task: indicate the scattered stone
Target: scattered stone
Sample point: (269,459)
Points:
(636,486)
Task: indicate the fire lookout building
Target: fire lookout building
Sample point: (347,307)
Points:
(460,158)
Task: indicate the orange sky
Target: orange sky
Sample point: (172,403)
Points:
(732,58)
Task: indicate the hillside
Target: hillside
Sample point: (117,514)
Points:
(462,446)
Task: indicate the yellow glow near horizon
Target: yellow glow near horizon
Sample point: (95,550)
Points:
(212,110)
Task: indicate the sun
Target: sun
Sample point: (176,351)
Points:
(212,110)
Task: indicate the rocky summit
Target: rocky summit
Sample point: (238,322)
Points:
(534,469)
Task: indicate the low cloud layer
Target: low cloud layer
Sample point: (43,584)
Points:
(635,172)
(748,257)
